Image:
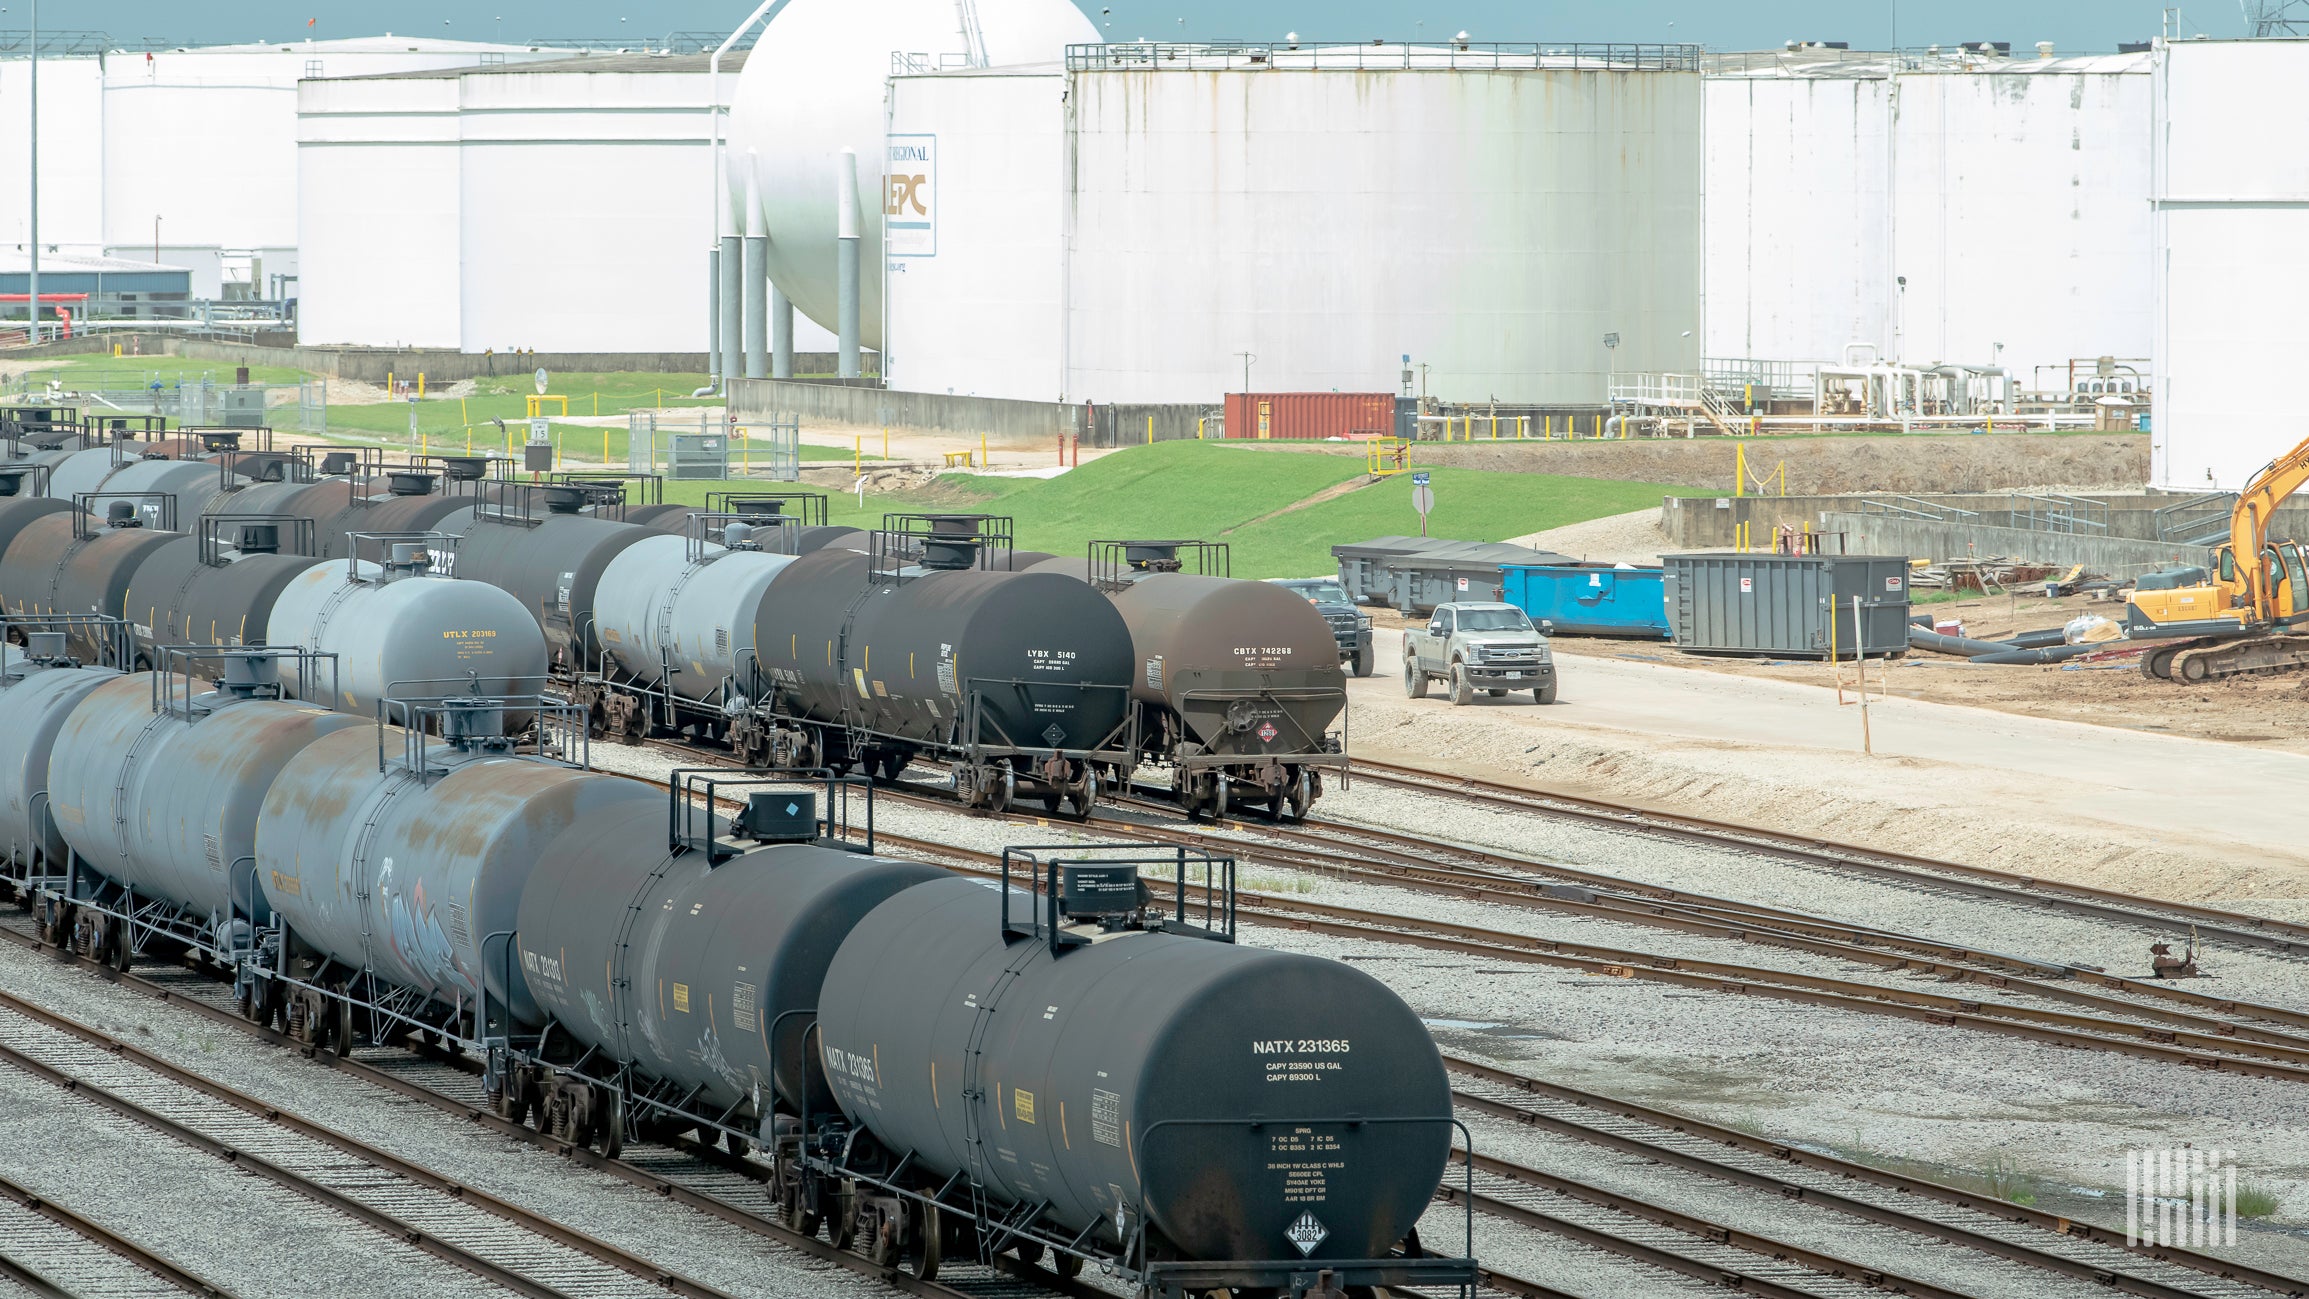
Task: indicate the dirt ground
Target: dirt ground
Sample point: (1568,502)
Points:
(2262,711)
(2029,789)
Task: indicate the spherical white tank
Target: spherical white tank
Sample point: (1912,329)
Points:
(813,86)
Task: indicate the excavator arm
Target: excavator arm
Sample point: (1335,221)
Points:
(2249,526)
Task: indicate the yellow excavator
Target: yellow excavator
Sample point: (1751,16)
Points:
(2252,615)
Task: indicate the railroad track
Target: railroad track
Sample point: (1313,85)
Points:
(729,1188)
(2211,1042)
(503,1243)
(2045,1241)
(2280,936)
(55,1253)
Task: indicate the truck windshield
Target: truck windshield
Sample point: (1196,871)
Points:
(1493,620)
(1323,592)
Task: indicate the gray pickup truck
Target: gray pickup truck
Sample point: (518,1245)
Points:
(1350,626)
(1470,647)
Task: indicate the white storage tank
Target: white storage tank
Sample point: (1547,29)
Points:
(1155,212)
(813,86)
(2231,266)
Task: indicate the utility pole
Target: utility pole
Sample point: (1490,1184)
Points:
(1247,359)
(33,286)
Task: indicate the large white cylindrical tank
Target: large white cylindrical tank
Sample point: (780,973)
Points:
(813,86)
(1494,215)
(2231,258)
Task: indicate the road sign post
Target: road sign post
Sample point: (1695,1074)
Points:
(1422,500)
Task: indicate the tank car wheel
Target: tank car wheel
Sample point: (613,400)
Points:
(341,1027)
(609,1133)
(1414,680)
(1068,1266)
(1220,797)
(1084,796)
(927,1250)
(737,1145)
(1029,1251)
(1301,795)
(1002,792)
(843,1227)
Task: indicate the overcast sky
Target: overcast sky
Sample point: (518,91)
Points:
(2072,25)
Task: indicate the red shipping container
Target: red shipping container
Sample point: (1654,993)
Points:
(1310,415)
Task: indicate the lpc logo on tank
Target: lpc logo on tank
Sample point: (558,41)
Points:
(910,197)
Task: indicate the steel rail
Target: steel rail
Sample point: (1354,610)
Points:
(2259,931)
(633,1174)
(1670,1123)
(416,1174)
(100,1235)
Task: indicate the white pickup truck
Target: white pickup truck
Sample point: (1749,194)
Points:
(1470,647)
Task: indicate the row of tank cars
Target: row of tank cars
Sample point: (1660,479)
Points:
(382,826)
(750,623)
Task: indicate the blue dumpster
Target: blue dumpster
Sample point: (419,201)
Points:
(1588,599)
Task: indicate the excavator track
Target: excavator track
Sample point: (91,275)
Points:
(2192,662)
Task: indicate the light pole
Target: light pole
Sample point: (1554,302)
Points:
(32,287)
(1247,359)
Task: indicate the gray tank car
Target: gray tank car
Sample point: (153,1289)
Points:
(157,788)
(37,691)
(405,874)
(1159,1094)
(697,974)
(535,544)
(1236,683)
(400,628)
(1020,681)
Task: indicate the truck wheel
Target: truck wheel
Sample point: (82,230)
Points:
(1363,663)
(1543,694)
(1414,680)
(1462,694)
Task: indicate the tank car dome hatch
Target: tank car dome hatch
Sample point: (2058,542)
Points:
(813,86)
(394,625)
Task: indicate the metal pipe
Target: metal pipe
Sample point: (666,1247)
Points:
(755,277)
(32,288)
(732,297)
(781,333)
(846,263)
(713,320)
(725,270)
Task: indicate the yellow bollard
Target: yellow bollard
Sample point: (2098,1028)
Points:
(1599,428)
(885,442)
(857,455)
(388,383)
(982,462)
(420,383)
(465,418)
(1739,469)
(605,446)
(1199,427)
(1150,430)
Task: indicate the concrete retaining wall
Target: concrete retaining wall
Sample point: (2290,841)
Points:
(1877,534)
(1704,522)
(1011,421)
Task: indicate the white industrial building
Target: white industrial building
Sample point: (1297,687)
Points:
(554,206)
(188,156)
(2010,194)
(1125,227)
